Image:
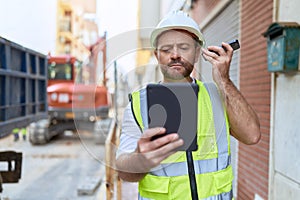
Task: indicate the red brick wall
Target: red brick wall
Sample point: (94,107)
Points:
(255,84)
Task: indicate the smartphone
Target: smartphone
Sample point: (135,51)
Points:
(234,44)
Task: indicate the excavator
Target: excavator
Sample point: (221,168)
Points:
(73,102)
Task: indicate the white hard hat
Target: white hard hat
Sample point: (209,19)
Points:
(177,20)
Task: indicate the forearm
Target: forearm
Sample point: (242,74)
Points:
(128,167)
(244,123)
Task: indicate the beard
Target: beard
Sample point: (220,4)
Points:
(182,70)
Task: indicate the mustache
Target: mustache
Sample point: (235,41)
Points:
(175,62)
(183,63)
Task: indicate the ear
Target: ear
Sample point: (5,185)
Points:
(156,53)
(197,54)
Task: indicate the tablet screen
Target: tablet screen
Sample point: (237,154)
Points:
(174,106)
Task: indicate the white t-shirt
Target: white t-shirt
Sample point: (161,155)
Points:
(130,133)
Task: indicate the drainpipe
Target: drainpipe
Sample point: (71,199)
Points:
(272,112)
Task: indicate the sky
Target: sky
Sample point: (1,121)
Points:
(32,23)
(29,23)
(117,16)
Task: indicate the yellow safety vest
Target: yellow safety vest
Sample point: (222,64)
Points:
(23,131)
(16,130)
(212,163)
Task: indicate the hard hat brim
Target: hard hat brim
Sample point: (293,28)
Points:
(157,32)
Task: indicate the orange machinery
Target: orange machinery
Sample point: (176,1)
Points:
(73,102)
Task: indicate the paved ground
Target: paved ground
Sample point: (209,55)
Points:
(57,170)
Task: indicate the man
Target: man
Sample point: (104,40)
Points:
(23,133)
(15,132)
(161,171)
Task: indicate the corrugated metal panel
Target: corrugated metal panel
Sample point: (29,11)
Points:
(224,28)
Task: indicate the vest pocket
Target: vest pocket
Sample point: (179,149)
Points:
(154,187)
(223,180)
(214,183)
(177,187)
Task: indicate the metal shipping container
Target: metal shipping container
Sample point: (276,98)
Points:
(23,86)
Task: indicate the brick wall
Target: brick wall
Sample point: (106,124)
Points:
(255,84)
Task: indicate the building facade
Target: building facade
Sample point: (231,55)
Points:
(284,162)
(271,168)
(75,32)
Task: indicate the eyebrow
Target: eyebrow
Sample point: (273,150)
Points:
(168,45)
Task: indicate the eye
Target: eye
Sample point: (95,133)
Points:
(184,47)
(166,49)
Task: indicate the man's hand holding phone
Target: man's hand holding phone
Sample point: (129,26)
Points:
(220,58)
(234,45)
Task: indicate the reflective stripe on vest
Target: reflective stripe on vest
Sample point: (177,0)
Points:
(213,170)
(223,196)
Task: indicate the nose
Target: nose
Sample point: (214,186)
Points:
(175,53)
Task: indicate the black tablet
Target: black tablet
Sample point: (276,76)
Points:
(174,106)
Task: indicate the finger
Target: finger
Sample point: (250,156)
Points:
(208,56)
(216,50)
(204,56)
(149,133)
(168,149)
(226,46)
(147,146)
(161,141)
(209,52)
(228,49)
